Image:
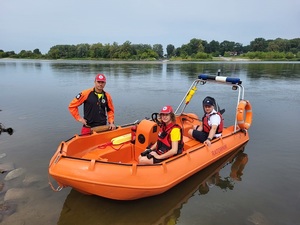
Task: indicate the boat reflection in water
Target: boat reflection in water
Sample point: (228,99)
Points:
(161,209)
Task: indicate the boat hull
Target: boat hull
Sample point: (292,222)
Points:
(92,165)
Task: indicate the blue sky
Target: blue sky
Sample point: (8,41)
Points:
(31,24)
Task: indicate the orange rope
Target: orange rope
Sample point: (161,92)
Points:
(59,188)
(111,144)
(105,145)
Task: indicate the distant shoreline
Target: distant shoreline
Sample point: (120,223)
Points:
(215,59)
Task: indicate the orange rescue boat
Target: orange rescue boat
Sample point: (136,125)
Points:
(105,163)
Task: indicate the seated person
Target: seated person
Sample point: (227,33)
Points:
(169,143)
(212,124)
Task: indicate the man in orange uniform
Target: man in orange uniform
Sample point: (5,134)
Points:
(98,106)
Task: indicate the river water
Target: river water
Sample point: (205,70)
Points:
(34,95)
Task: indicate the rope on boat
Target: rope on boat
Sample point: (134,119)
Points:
(103,146)
(120,140)
(59,188)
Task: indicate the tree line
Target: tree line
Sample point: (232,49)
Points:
(196,49)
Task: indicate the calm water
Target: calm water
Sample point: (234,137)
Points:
(34,96)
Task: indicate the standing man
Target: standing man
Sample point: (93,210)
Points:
(98,106)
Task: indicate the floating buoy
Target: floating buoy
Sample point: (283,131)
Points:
(244,114)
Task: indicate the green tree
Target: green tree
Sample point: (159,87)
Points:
(25,54)
(238,48)
(213,47)
(194,46)
(295,45)
(54,53)
(148,54)
(126,50)
(106,51)
(259,44)
(37,51)
(144,51)
(82,50)
(202,55)
(258,48)
(170,50)
(96,50)
(226,46)
(71,51)
(142,47)
(246,49)
(281,45)
(158,48)
(59,52)
(114,51)
(289,55)
(2,54)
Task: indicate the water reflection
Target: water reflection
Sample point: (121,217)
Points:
(127,69)
(254,70)
(161,209)
(273,71)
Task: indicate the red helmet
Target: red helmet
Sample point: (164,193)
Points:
(100,77)
(166,109)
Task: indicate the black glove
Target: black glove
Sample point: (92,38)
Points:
(146,152)
(149,156)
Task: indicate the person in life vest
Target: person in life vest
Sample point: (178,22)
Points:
(211,126)
(98,106)
(169,143)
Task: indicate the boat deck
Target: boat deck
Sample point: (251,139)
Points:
(128,153)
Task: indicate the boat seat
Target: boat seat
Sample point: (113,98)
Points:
(146,134)
(189,142)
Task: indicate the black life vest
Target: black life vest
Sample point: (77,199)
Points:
(164,142)
(206,127)
(95,109)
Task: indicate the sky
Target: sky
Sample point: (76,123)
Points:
(31,24)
